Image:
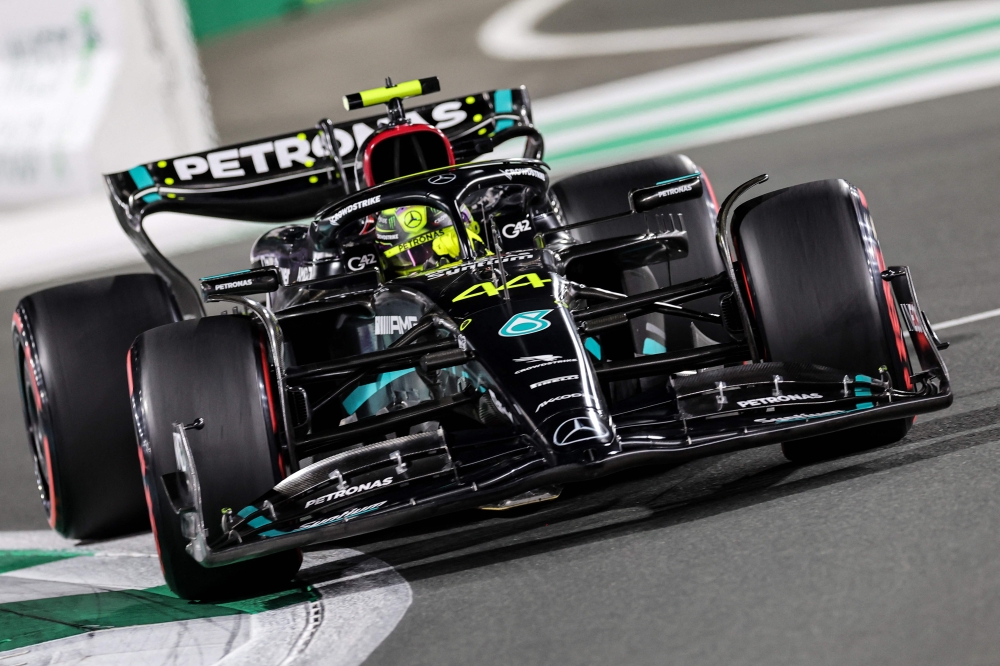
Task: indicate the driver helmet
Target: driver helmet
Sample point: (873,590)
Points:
(412,239)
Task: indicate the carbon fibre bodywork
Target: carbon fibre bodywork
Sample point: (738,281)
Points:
(513,367)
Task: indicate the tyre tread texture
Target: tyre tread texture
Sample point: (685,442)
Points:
(810,279)
(82,332)
(814,295)
(211,369)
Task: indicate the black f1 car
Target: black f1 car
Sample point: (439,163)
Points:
(449,332)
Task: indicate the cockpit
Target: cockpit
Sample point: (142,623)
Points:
(430,221)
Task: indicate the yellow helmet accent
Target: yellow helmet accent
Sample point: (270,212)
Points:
(447,243)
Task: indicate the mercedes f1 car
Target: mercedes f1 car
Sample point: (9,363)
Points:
(448,331)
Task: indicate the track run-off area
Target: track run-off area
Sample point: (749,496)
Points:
(887,557)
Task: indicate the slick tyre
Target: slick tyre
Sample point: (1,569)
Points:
(604,192)
(215,369)
(69,346)
(812,263)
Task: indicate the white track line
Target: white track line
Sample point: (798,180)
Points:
(510,33)
(961,321)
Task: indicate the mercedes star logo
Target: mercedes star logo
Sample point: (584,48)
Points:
(441,178)
(578,430)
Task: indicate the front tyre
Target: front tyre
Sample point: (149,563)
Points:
(812,264)
(215,369)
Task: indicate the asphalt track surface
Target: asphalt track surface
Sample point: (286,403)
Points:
(887,557)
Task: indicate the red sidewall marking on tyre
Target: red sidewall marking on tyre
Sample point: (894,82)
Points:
(267,387)
(711,191)
(890,304)
(128,371)
(142,469)
(52,489)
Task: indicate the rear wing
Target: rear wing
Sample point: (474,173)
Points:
(291,176)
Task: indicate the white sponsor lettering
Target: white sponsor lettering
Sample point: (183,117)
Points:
(913,315)
(481,262)
(347,515)
(360,263)
(225,164)
(258,153)
(543,365)
(674,190)
(352,490)
(523,171)
(774,400)
(799,417)
(389,324)
(234,285)
(319,146)
(537,359)
(514,230)
(546,382)
(357,205)
(548,402)
(189,167)
(292,149)
(448,114)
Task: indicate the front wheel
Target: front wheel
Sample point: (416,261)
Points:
(812,265)
(214,369)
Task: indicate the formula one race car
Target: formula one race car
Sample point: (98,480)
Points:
(449,332)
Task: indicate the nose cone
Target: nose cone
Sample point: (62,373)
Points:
(578,431)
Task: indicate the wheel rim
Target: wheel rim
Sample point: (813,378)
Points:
(36,432)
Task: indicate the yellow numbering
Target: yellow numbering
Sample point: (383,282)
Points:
(489,289)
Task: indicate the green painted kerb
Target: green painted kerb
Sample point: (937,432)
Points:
(11,560)
(211,18)
(25,623)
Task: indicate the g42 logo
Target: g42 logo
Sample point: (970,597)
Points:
(360,262)
(514,230)
(489,289)
(524,323)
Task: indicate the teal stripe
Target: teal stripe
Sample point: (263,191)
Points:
(364,393)
(142,179)
(593,346)
(674,180)
(706,122)
(776,75)
(651,347)
(140,176)
(503,102)
(222,275)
